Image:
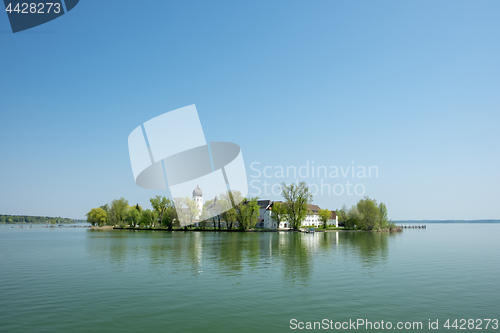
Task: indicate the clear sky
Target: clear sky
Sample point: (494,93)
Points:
(411,88)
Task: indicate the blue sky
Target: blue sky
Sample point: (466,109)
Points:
(411,87)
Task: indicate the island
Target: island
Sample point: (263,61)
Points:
(294,213)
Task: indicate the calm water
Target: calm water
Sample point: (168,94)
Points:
(79,280)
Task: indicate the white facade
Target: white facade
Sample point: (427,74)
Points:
(285,225)
(334,221)
(311,220)
(265,221)
(268,221)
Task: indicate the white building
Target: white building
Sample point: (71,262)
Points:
(265,221)
(312,219)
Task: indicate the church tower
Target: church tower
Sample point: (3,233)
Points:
(198,198)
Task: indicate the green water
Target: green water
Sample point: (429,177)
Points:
(79,280)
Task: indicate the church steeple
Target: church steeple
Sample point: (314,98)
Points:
(198,198)
(197,192)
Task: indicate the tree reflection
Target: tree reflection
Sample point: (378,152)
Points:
(233,254)
(371,247)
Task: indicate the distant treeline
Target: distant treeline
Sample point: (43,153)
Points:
(34,219)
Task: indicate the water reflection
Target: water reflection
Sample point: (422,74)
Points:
(372,248)
(235,253)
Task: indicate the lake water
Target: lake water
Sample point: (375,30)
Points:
(80,280)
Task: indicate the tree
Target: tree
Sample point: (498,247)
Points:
(384,220)
(342,214)
(211,210)
(160,205)
(324,216)
(247,213)
(192,210)
(169,215)
(353,218)
(132,217)
(148,217)
(229,216)
(97,216)
(118,211)
(297,199)
(367,215)
(226,208)
(370,213)
(187,210)
(278,213)
(105,208)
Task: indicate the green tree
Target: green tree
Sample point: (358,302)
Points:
(384,220)
(169,216)
(132,217)
(118,211)
(354,219)
(324,216)
(160,205)
(247,213)
(105,208)
(226,210)
(278,213)
(370,213)
(148,217)
(342,214)
(297,198)
(97,216)
(229,216)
